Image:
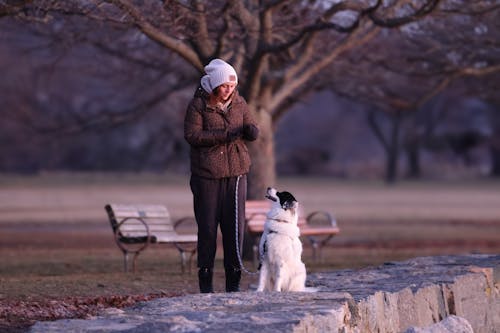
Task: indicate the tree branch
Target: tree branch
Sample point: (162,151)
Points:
(175,45)
(323,23)
(425,9)
(356,39)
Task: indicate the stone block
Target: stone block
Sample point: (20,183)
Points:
(451,324)
(424,295)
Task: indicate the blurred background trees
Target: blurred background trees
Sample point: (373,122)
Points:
(361,88)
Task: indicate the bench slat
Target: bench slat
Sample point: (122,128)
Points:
(174,238)
(143,211)
(157,218)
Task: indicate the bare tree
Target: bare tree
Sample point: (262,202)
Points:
(403,69)
(277,47)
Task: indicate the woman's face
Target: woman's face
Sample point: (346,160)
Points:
(225,90)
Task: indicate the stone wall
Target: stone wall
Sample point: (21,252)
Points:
(396,297)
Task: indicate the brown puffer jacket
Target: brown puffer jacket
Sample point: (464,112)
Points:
(217,138)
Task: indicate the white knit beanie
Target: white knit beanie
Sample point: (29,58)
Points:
(218,72)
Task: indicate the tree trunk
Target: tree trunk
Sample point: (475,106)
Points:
(495,158)
(390,143)
(495,144)
(391,167)
(393,150)
(413,160)
(262,173)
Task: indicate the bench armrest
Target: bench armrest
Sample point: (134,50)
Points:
(185,246)
(331,222)
(183,220)
(124,242)
(319,233)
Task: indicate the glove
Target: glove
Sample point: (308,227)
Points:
(234,134)
(250,132)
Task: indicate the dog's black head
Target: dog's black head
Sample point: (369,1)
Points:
(286,199)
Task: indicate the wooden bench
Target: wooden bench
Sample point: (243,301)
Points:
(136,226)
(318,227)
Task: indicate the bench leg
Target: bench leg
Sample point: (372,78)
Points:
(130,248)
(193,252)
(255,249)
(133,262)
(317,247)
(183,261)
(183,253)
(125,261)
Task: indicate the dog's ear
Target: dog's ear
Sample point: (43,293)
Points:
(290,205)
(286,199)
(294,205)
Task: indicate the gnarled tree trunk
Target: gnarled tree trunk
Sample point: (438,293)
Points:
(262,173)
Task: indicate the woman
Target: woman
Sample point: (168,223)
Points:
(217,124)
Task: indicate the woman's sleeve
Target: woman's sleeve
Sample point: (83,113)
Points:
(250,128)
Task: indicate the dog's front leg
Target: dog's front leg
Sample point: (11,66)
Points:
(278,282)
(263,277)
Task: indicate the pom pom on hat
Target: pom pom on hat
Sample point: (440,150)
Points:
(218,72)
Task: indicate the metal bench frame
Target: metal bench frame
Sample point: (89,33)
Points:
(144,236)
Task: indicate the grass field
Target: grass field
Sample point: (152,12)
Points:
(59,260)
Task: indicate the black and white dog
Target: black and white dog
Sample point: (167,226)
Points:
(280,248)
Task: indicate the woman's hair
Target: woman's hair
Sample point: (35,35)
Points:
(215,91)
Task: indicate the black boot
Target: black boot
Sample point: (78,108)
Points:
(205,280)
(233,277)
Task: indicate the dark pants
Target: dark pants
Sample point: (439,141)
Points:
(214,204)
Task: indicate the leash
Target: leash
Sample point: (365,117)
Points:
(237,231)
